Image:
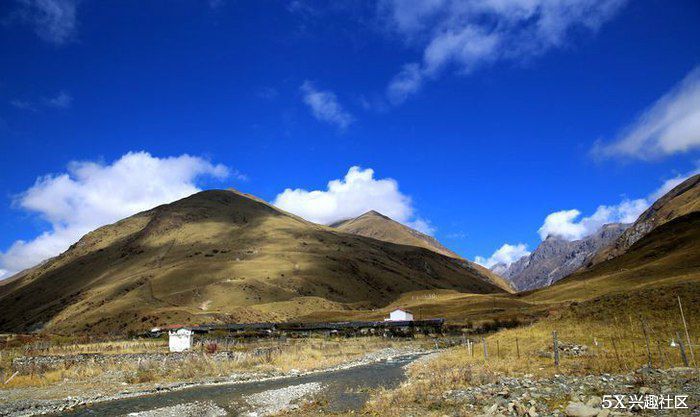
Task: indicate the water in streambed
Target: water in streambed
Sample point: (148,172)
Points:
(339,391)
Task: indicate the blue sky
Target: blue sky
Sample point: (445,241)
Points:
(483,122)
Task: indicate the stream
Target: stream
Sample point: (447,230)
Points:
(338,390)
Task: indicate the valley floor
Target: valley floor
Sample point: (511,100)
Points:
(617,343)
(509,373)
(69,386)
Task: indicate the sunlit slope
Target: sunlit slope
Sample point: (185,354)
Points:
(378,226)
(663,264)
(668,256)
(679,201)
(219,256)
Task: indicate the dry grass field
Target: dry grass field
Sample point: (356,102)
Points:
(614,343)
(300,354)
(616,309)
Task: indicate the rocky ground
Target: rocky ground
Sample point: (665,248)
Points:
(529,396)
(195,409)
(274,401)
(576,396)
(61,397)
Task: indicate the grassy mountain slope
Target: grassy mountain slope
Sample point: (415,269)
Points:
(378,226)
(645,279)
(215,256)
(667,256)
(681,200)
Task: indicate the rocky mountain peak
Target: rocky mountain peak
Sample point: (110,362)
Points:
(557,257)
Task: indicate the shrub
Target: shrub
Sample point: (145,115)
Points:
(211,347)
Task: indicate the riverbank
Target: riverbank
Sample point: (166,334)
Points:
(49,400)
(500,394)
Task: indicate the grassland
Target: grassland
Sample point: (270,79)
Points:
(616,309)
(299,354)
(615,343)
(294,354)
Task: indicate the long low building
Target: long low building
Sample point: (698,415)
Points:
(321,326)
(289,328)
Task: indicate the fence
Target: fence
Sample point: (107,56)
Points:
(623,347)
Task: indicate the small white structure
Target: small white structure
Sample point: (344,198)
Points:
(180,339)
(400,315)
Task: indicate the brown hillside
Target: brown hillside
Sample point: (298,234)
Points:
(645,279)
(378,226)
(219,256)
(667,256)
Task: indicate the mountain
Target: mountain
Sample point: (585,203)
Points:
(660,265)
(556,258)
(681,200)
(644,280)
(219,256)
(378,226)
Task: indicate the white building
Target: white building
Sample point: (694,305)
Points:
(400,315)
(180,339)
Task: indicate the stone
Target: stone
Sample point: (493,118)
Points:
(576,409)
(504,393)
(594,401)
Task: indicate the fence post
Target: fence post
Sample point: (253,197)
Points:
(11,378)
(661,356)
(517,347)
(646,340)
(470,346)
(556,348)
(687,335)
(617,355)
(486,349)
(498,349)
(682,348)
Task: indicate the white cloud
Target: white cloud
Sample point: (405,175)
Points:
(54,21)
(422,225)
(406,83)
(92,194)
(62,100)
(566,223)
(324,106)
(506,254)
(358,192)
(671,183)
(467,34)
(3,273)
(23,105)
(671,125)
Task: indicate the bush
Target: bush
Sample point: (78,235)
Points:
(211,347)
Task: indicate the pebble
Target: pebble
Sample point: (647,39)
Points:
(527,396)
(275,401)
(575,409)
